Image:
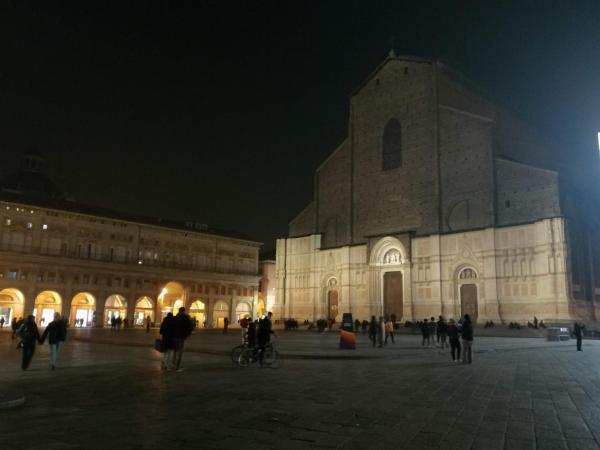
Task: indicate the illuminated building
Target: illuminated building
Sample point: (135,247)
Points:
(441,202)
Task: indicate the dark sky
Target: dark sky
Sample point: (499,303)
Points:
(220,111)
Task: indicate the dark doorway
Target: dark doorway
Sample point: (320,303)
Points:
(468,301)
(392,295)
(332,301)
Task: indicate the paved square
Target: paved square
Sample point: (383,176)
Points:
(520,393)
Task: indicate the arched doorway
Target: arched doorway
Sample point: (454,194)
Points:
(198,313)
(11,305)
(144,307)
(46,304)
(243,310)
(170,298)
(467,279)
(115,306)
(220,312)
(83,306)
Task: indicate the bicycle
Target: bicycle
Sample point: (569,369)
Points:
(237,351)
(272,358)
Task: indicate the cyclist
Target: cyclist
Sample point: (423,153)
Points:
(265,330)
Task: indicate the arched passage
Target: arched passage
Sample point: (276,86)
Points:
(170,298)
(243,310)
(46,304)
(144,307)
(220,312)
(198,312)
(11,304)
(115,306)
(83,307)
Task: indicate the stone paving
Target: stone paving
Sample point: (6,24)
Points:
(518,394)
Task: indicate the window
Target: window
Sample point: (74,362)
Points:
(12,274)
(8,222)
(392,145)
(45,226)
(29,225)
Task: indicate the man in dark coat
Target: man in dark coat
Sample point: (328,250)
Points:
(167,330)
(467,339)
(578,332)
(56,331)
(29,334)
(265,330)
(181,330)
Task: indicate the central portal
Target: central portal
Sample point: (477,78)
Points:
(392,295)
(332,300)
(468,301)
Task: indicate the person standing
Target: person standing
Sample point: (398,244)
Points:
(167,330)
(425,332)
(380,332)
(442,332)
(148,323)
(467,340)
(389,331)
(225,325)
(14,327)
(373,330)
(182,329)
(2,322)
(265,330)
(56,331)
(453,335)
(578,332)
(29,334)
(244,322)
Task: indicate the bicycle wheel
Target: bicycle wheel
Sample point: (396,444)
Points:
(236,352)
(245,358)
(273,358)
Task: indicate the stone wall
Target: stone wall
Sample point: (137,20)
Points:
(518,271)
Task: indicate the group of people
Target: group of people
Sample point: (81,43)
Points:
(27,332)
(439,333)
(257,334)
(380,331)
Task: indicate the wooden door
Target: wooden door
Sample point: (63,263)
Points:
(392,295)
(332,300)
(468,301)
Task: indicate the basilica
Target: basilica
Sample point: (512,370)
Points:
(440,201)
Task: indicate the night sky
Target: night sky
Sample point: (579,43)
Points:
(219,112)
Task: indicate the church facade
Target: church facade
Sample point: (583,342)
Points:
(441,202)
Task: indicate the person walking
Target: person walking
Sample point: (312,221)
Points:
(389,331)
(454,337)
(380,332)
(578,332)
(442,332)
(467,340)
(425,333)
(167,332)
(29,334)
(56,331)
(2,322)
(373,330)
(148,323)
(182,329)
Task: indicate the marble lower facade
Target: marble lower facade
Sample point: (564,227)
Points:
(505,274)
